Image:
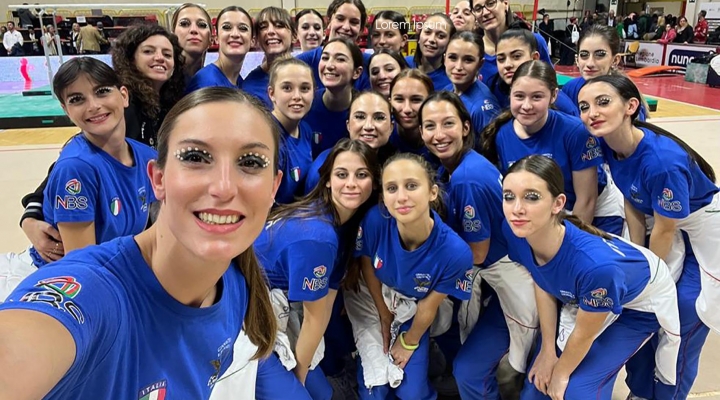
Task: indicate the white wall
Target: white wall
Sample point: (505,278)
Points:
(670,7)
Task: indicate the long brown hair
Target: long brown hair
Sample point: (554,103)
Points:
(260,323)
(549,171)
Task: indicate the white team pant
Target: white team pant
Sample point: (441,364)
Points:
(289,319)
(14,268)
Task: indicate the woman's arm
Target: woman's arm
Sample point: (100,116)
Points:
(30,335)
(636,224)
(77,235)
(427,309)
(316,315)
(480,251)
(585,184)
(662,234)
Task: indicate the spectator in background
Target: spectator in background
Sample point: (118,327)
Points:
(26,17)
(73,37)
(3,50)
(611,18)
(701,29)
(684,32)
(620,26)
(13,41)
(104,47)
(669,35)
(658,31)
(49,39)
(631,26)
(89,40)
(643,24)
(546,27)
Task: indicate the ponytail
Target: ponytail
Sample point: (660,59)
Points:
(575,220)
(705,167)
(488,137)
(260,324)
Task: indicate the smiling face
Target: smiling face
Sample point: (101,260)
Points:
(234,34)
(530,101)
(434,37)
(219,181)
(370,120)
(345,22)
(462,16)
(490,14)
(387,35)
(154,59)
(528,205)
(407,191)
(383,68)
(603,110)
(292,93)
(511,53)
(275,37)
(350,183)
(193,30)
(96,109)
(595,57)
(442,129)
(462,63)
(337,69)
(310,31)
(406,98)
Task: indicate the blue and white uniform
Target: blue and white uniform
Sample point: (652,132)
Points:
(474,207)
(312,58)
(256,83)
(438,77)
(328,127)
(439,265)
(302,257)
(566,140)
(598,275)
(481,104)
(210,76)
(130,334)
(489,67)
(89,185)
(659,177)
(295,161)
(572,89)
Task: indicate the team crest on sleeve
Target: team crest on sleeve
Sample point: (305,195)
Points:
(594,151)
(295,172)
(469,212)
(156,391)
(465,284)
(320,271)
(377,262)
(73,187)
(598,298)
(667,203)
(358,239)
(317,137)
(487,105)
(59,293)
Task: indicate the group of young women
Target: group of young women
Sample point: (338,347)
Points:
(255,238)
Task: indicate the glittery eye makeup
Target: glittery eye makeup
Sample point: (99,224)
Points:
(192,154)
(254,160)
(532,196)
(604,100)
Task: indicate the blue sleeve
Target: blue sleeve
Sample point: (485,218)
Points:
(470,203)
(452,280)
(308,57)
(670,194)
(73,191)
(565,105)
(80,299)
(543,49)
(197,82)
(601,289)
(584,150)
(309,264)
(275,382)
(313,176)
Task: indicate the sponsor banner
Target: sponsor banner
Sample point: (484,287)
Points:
(650,54)
(680,55)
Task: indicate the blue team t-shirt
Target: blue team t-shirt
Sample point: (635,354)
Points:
(300,255)
(474,204)
(313,175)
(597,274)
(440,264)
(210,76)
(312,58)
(438,77)
(131,337)
(660,177)
(295,161)
(572,90)
(489,67)
(481,104)
(89,185)
(563,138)
(328,127)
(256,83)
